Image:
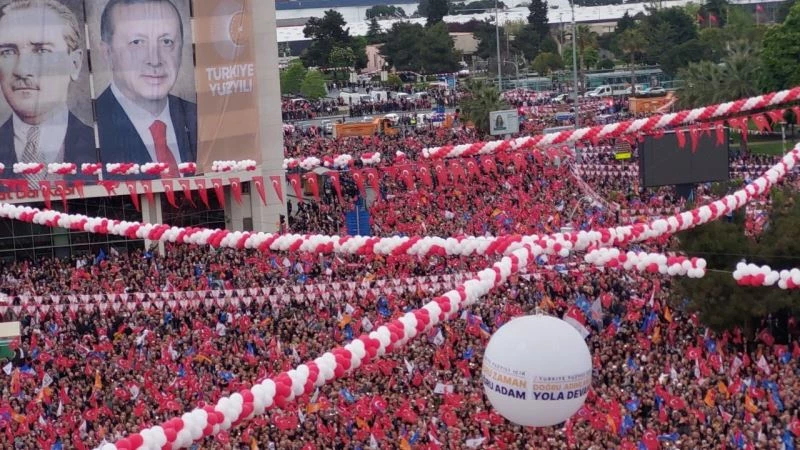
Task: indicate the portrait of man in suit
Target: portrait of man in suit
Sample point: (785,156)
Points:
(40,57)
(138,120)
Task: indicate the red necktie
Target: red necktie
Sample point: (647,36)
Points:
(163,154)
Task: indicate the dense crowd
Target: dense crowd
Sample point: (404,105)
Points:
(83,376)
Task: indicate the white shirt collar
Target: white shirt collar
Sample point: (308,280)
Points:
(143,119)
(51,136)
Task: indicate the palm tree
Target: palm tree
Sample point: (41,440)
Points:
(481,99)
(701,84)
(586,39)
(632,43)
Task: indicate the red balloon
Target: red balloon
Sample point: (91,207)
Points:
(167,446)
(124,444)
(208,430)
(136,440)
(172,435)
(247,409)
(652,268)
(246,395)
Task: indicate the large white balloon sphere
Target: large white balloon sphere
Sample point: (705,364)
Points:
(537,371)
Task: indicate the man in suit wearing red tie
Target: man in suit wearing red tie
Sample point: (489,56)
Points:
(138,121)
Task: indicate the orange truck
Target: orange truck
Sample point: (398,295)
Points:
(380,126)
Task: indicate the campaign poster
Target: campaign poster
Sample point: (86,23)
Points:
(45,106)
(143,80)
(226,78)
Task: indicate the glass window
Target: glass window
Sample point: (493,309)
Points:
(22,228)
(80,250)
(247,224)
(41,229)
(61,252)
(6,228)
(44,252)
(6,244)
(23,255)
(7,256)
(61,239)
(21,243)
(79,238)
(42,240)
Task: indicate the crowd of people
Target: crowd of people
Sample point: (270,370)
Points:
(85,375)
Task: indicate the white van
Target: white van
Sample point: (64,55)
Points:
(379,96)
(600,91)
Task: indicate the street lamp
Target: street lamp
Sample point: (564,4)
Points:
(497,38)
(575,67)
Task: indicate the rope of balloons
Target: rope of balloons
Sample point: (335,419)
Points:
(650,262)
(753,275)
(614,130)
(558,243)
(287,386)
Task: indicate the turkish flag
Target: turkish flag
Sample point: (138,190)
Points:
(441,174)
(761,122)
(337,185)
(776,115)
(694,134)
(220,191)
(169,192)
(358,177)
(425,175)
(110,186)
(311,181)
(488,163)
(147,187)
(236,189)
(719,127)
(44,186)
(277,186)
(187,190)
(650,440)
(473,169)
(457,171)
(519,161)
(374,179)
(681,138)
(201,190)
(131,185)
(258,182)
(297,185)
(405,174)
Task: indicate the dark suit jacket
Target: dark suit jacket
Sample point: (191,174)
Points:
(120,142)
(79,146)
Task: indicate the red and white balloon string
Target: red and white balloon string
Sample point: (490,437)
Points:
(614,130)
(284,388)
(650,262)
(91,168)
(62,168)
(753,275)
(417,246)
(122,168)
(233,166)
(28,168)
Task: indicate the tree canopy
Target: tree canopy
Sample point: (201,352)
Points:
(781,53)
(327,32)
(292,77)
(436,11)
(481,99)
(537,18)
(721,303)
(385,11)
(414,47)
(313,86)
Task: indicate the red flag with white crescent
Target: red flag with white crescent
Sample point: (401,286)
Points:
(78,184)
(358,177)
(147,187)
(425,175)
(337,185)
(374,179)
(258,182)
(131,185)
(110,186)
(311,181)
(236,189)
(44,186)
(217,183)
(277,186)
(201,190)
(187,190)
(169,192)
(297,185)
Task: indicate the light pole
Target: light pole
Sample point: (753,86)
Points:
(575,67)
(516,67)
(497,38)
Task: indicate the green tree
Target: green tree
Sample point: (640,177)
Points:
(665,30)
(481,98)
(394,81)
(781,53)
(716,8)
(633,43)
(527,42)
(587,39)
(385,11)
(547,62)
(326,33)
(313,86)
(437,51)
(437,9)
(292,77)
(605,64)
(374,32)
(735,77)
(720,302)
(402,44)
(537,17)
(341,59)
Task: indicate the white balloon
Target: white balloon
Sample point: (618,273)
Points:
(537,371)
